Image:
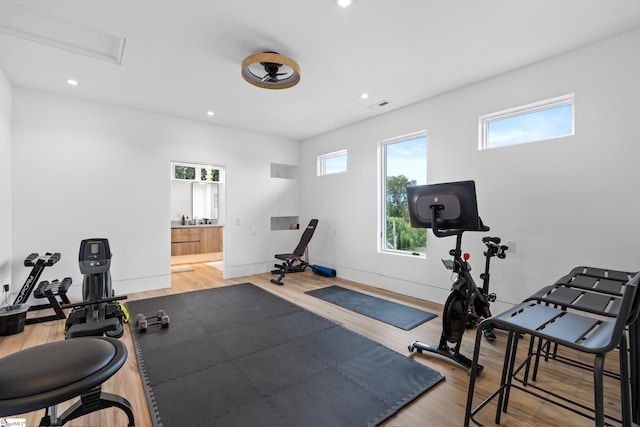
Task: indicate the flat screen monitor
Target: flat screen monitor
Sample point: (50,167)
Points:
(456,202)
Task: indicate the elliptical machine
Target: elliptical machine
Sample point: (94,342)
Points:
(450,209)
(99,313)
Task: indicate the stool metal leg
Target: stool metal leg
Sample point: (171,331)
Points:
(541,347)
(507,374)
(50,417)
(96,400)
(598,391)
(475,370)
(528,362)
(624,383)
(634,346)
(469,412)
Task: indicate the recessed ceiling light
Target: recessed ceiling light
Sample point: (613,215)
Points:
(210,113)
(72,82)
(344,3)
(364,96)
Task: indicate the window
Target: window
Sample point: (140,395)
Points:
(404,163)
(191,172)
(331,163)
(552,118)
(184,172)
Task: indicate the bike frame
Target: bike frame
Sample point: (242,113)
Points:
(465,286)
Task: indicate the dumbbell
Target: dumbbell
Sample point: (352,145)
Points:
(160,318)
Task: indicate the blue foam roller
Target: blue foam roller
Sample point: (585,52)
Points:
(323,271)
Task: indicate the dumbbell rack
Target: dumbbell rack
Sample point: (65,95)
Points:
(45,289)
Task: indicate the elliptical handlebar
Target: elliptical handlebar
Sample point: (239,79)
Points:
(93,302)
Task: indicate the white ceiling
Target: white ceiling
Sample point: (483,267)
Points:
(182,58)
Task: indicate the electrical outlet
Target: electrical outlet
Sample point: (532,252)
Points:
(6,288)
(512,245)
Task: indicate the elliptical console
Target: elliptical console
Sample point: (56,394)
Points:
(95,263)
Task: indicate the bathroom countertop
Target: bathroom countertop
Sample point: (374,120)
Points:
(178,225)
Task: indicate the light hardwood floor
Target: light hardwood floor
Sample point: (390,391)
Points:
(441,406)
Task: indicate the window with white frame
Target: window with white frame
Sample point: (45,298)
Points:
(548,119)
(403,163)
(192,172)
(331,163)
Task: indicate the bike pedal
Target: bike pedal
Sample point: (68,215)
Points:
(489,334)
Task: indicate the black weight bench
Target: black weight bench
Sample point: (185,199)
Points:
(293,262)
(41,377)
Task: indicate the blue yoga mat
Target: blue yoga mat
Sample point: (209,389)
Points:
(398,315)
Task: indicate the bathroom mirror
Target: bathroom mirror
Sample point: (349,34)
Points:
(205,200)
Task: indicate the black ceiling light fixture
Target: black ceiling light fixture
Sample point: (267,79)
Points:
(270,70)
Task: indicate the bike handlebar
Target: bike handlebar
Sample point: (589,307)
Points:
(495,240)
(446,233)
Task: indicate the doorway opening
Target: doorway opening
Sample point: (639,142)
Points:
(197,215)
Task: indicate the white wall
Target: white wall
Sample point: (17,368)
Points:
(565,202)
(83,169)
(5,184)
(181,200)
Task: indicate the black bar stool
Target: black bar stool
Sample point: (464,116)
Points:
(597,291)
(41,377)
(581,330)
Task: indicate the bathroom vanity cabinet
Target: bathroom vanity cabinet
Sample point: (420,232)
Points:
(196,239)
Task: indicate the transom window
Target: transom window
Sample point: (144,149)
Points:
(331,163)
(191,172)
(548,119)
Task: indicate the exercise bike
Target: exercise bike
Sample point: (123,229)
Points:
(450,209)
